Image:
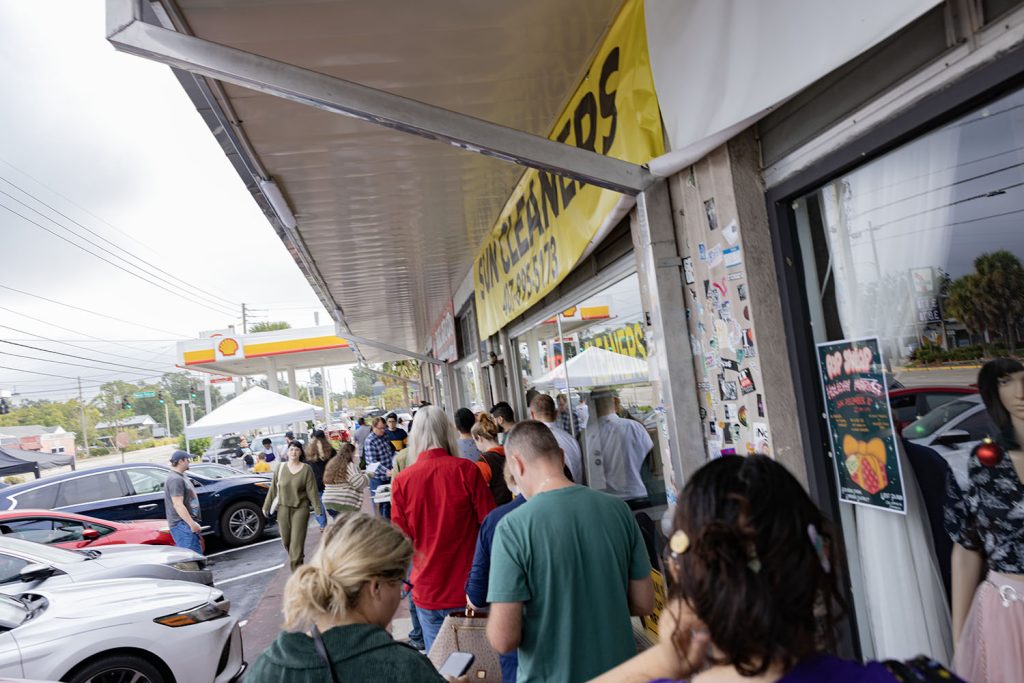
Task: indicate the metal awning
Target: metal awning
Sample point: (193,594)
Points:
(386,223)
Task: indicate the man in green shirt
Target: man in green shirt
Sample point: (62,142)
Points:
(568,569)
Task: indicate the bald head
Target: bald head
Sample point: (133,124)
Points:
(543,408)
(533,442)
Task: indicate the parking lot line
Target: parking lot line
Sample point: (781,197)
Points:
(244,547)
(245,576)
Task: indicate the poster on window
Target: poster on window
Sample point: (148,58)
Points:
(860,424)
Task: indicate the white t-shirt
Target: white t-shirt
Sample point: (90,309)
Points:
(622,445)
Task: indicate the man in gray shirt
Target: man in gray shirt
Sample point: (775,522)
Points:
(182,505)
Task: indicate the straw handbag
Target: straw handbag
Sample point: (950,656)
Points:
(466,631)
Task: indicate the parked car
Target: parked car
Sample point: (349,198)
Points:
(208,470)
(223,448)
(68,530)
(231,508)
(909,404)
(142,630)
(25,565)
(953,430)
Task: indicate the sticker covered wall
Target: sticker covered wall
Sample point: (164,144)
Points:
(548,221)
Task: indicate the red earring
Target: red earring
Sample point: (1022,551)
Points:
(989,453)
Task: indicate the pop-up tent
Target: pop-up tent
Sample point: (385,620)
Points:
(11,465)
(595,367)
(44,460)
(257,407)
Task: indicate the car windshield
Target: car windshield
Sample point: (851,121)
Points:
(12,613)
(936,419)
(42,554)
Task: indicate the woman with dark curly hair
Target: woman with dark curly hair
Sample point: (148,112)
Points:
(755,595)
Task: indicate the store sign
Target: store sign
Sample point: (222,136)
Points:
(928,310)
(860,423)
(628,340)
(547,223)
(443,338)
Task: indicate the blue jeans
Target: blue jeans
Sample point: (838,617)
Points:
(321,520)
(509,666)
(431,620)
(184,537)
(383,509)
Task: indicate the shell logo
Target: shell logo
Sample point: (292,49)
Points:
(227,347)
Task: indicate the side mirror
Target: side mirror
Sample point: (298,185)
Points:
(90,534)
(36,572)
(953,437)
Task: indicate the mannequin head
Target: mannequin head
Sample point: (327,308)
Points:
(1001,384)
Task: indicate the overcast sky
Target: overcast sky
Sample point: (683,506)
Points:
(112,142)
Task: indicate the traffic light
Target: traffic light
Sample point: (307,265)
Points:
(160,395)
(192,390)
(125,403)
(4,408)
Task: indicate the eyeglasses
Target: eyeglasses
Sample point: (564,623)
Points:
(406,589)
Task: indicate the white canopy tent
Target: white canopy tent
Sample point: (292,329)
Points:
(257,407)
(596,367)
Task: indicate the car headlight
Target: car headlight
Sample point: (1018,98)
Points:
(263,484)
(205,612)
(190,566)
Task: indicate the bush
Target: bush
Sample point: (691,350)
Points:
(14,480)
(197,446)
(98,450)
(149,443)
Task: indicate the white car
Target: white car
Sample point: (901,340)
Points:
(139,630)
(953,430)
(26,566)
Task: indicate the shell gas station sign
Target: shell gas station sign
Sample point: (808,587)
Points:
(228,353)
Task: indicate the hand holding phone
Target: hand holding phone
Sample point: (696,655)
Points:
(457,664)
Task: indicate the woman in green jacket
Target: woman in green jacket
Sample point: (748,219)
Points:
(348,593)
(294,489)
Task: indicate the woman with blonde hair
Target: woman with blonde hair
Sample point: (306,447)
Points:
(344,482)
(439,501)
(337,609)
(492,457)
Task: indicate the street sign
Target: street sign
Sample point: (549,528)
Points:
(145,394)
(183,402)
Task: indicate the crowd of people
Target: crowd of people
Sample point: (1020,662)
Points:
(489,513)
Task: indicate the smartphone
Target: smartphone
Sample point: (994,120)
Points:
(457,664)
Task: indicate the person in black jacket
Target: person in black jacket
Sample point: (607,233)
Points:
(320,452)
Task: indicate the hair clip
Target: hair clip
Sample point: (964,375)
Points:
(819,547)
(679,543)
(754,562)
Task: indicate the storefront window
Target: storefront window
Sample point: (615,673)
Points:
(923,248)
(592,360)
(470,390)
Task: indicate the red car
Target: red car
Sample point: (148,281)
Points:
(68,530)
(910,403)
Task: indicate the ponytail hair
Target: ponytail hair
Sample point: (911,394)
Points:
(354,549)
(485,427)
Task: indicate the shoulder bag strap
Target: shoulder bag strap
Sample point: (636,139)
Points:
(321,649)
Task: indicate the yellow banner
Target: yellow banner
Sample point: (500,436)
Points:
(549,220)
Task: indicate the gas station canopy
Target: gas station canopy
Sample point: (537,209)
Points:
(262,353)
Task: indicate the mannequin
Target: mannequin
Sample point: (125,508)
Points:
(987,526)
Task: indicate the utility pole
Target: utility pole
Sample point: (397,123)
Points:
(85,431)
(167,418)
(245,321)
(323,380)
(184,423)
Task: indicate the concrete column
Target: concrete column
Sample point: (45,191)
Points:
(272,382)
(293,392)
(668,348)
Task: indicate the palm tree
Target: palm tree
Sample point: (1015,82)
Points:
(992,297)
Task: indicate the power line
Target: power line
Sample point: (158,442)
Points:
(74,346)
(209,296)
(68,329)
(71,355)
(100,219)
(64,362)
(85,310)
(35,372)
(106,260)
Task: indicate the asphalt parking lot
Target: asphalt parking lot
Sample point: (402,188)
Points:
(243,573)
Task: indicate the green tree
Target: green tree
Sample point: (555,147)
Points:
(991,299)
(64,414)
(363,380)
(267,326)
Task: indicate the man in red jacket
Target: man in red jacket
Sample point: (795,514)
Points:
(439,502)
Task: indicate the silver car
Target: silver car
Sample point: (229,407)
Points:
(29,566)
(953,430)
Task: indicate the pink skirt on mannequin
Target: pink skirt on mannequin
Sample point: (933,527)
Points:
(991,646)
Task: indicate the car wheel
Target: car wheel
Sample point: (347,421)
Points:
(118,669)
(242,523)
